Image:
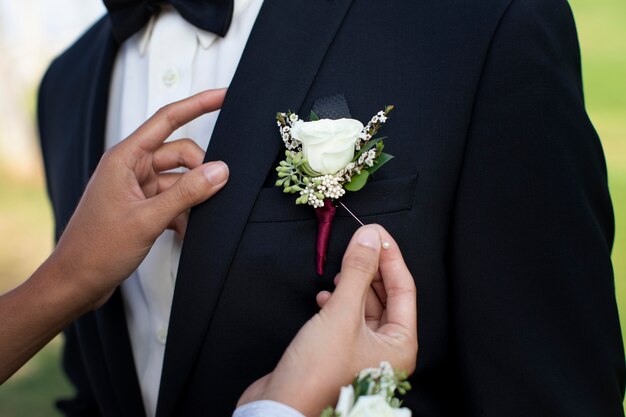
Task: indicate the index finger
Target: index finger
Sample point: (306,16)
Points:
(401,294)
(168,119)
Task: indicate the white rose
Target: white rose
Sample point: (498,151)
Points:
(376,406)
(328,145)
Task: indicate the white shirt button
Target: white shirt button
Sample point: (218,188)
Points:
(170,77)
(161,334)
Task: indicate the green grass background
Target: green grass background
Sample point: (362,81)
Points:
(25,213)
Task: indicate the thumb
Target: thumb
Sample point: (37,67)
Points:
(359,266)
(191,189)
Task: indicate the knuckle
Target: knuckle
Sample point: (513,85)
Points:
(188,191)
(406,291)
(187,143)
(111,158)
(191,151)
(110,155)
(365,263)
(167,113)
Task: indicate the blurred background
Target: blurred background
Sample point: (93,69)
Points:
(32,32)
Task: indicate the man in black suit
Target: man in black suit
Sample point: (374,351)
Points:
(497,194)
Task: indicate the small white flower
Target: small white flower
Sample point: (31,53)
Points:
(293,117)
(371,157)
(375,119)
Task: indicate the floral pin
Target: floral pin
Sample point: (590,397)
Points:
(324,158)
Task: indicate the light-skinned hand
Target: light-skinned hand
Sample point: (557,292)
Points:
(370,317)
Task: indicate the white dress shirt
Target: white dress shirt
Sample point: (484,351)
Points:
(168,60)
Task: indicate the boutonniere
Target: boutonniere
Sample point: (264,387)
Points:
(324,158)
(373,393)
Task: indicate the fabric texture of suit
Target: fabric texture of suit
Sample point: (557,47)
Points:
(498,197)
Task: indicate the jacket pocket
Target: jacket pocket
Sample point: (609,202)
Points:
(377,197)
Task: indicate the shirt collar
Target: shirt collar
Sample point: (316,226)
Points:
(205,39)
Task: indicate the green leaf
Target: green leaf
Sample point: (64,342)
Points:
(380,161)
(360,387)
(358,181)
(313,117)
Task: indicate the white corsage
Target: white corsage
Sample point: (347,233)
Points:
(326,157)
(323,159)
(372,394)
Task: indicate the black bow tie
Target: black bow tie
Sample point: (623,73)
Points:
(128,16)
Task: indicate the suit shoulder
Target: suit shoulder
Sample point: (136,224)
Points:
(64,69)
(67,75)
(526,12)
(528,7)
(541,25)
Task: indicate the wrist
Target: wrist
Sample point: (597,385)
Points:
(79,285)
(309,396)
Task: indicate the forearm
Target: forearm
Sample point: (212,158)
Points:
(36,311)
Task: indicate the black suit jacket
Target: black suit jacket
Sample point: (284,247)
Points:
(498,197)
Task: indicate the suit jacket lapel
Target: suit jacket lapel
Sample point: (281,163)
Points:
(110,318)
(282,56)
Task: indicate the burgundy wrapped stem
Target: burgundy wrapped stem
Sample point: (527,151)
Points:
(325,216)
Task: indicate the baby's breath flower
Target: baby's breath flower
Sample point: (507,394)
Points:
(295,174)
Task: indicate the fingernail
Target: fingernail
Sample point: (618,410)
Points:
(368,236)
(216,173)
